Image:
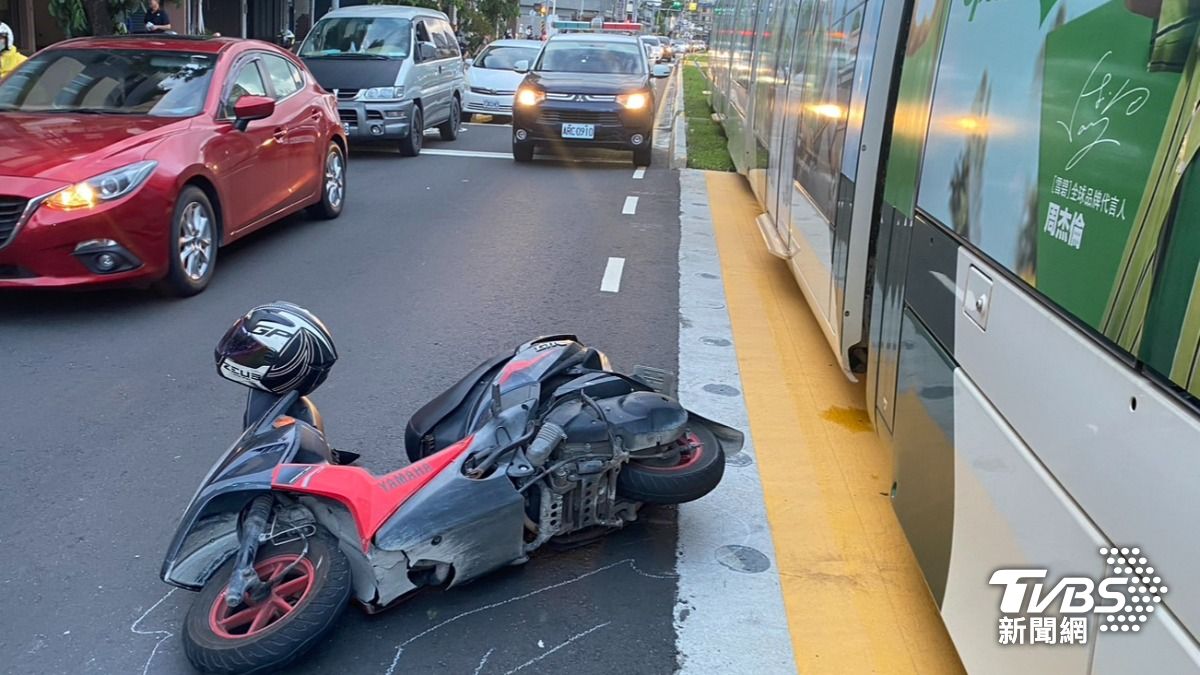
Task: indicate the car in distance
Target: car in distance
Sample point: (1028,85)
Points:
(668,53)
(590,90)
(129,160)
(493,76)
(654,50)
(396,71)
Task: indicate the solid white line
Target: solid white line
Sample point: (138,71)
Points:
(611,283)
(630,207)
(640,173)
(466,153)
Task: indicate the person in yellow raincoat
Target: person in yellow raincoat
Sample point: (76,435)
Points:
(10,58)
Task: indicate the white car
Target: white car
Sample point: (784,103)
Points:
(492,78)
(654,49)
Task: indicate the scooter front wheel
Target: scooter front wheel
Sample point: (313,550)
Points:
(309,590)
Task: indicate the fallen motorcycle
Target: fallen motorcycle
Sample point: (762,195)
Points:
(545,445)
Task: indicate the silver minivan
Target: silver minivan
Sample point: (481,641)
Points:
(396,71)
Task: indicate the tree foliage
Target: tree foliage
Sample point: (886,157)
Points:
(476,17)
(78,18)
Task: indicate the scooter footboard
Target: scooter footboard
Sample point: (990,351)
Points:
(473,526)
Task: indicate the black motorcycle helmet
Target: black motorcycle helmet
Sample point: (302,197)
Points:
(277,347)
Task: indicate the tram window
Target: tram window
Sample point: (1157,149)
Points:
(1074,186)
(743,56)
(828,57)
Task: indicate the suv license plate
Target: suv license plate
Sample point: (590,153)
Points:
(579,131)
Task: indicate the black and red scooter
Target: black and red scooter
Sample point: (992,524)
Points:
(544,445)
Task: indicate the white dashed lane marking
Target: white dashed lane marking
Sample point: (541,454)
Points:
(611,283)
(630,207)
(466,153)
(640,173)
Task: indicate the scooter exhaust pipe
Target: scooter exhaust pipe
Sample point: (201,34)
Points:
(244,578)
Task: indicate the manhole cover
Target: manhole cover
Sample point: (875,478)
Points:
(743,559)
(721,389)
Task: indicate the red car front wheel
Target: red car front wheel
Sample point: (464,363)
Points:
(193,244)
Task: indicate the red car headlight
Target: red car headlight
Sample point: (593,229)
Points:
(107,186)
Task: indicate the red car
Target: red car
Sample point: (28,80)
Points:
(132,159)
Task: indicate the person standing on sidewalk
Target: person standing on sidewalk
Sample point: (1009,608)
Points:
(10,58)
(157,20)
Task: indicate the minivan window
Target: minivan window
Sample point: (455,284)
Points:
(445,39)
(359,37)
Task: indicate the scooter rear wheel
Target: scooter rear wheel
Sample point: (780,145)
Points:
(265,636)
(692,473)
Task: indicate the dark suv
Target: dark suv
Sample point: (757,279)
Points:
(587,89)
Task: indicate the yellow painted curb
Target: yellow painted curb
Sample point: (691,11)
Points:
(855,598)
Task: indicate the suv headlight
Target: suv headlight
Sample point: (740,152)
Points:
(102,188)
(383,93)
(634,101)
(530,96)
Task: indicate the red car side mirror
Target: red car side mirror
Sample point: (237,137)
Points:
(250,108)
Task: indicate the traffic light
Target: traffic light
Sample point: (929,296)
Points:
(539,8)
(692,6)
(677,5)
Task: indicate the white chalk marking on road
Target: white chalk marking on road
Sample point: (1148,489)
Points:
(483,661)
(611,283)
(164,635)
(467,153)
(722,606)
(640,173)
(627,561)
(630,207)
(550,651)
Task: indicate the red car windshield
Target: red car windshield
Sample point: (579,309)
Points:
(161,84)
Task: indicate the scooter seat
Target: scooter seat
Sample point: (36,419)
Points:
(444,419)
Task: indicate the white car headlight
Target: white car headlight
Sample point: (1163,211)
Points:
(383,93)
(105,187)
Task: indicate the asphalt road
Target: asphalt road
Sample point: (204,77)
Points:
(111,411)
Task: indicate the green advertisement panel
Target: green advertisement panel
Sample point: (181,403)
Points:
(1102,116)
(1060,142)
